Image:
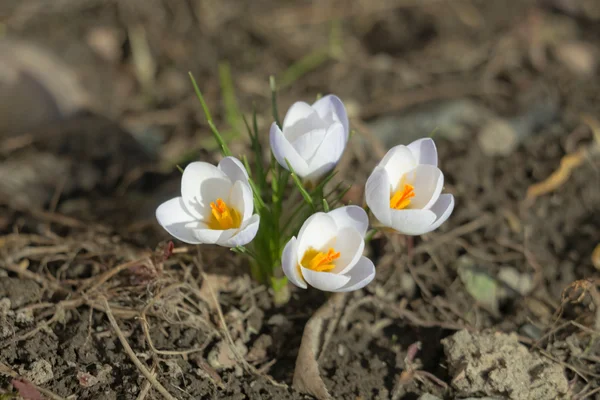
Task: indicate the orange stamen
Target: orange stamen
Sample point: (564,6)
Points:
(318,260)
(401,199)
(223,217)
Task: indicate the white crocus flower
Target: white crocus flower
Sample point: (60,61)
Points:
(313,137)
(215,206)
(404,190)
(328,252)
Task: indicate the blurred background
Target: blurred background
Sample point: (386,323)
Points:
(97,110)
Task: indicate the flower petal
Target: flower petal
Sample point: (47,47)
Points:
(234,169)
(245,234)
(283,149)
(317,232)
(213,236)
(360,276)
(412,222)
(289,263)
(377,194)
(241,199)
(194,175)
(350,244)
(428,182)
(331,109)
(173,216)
(398,161)
(424,151)
(328,154)
(307,144)
(325,281)
(351,216)
(300,120)
(442,209)
(297,112)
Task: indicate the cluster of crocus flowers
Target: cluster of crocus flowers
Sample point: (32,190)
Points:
(403,193)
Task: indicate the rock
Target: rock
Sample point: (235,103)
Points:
(36,88)
(452,119)
(428,396)
(520,283)
(40,372)
(496,364)
(498,137)
(502,136)
(579,57)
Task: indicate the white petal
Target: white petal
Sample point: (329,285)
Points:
(317,232)
(442,209)
(213,236)
(328,154)
(301,120)
(241,199)
(245,234)
(199,182)
(424,151)
(325,281)
(173,216)
(398,161)
(350,244)
(428,182)
(283,149)
(234,169)
(412,222)
(298,111)
(377,193)
(351,216)
(360,276)
(330,108)
(289,263)
(307,144)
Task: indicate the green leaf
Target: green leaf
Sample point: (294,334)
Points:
(232,111)
(479,284)
(224,148)
(307,197)
(325,205)
(278,283)
(273,86)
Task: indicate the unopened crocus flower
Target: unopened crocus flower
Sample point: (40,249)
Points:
(404,190)
(313,137)
(215,206)
(327,254)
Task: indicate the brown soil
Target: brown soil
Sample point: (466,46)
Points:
(80,180)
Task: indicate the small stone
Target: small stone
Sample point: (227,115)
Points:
(428,396)
(498,137)
(579,57)
(341,350)
(40,372)
(521,283)
(106,42)
(86,379)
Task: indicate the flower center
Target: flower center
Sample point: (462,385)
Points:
(401,199)
(223,217)
(318,260)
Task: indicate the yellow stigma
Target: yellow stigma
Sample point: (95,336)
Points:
(401,199)
(223,217)
(319,261)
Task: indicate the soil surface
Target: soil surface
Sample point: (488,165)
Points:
(97,111)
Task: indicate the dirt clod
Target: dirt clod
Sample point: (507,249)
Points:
(496,364)
(39,373)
